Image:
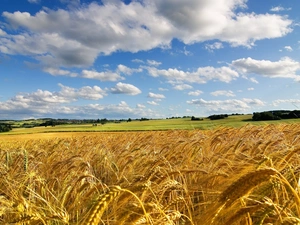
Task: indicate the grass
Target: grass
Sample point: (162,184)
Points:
(230,175)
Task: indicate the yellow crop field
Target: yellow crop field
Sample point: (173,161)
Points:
(246,176)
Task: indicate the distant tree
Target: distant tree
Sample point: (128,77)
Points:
(195,118)
(257,116)
(218,117)
(103,121)
(5,127)
(129,120)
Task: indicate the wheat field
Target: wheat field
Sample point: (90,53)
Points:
(247,175)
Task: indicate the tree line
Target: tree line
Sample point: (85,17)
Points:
(276,115)
(5,127)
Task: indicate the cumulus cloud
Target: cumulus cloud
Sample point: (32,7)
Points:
(195,21)
(109,75)
(123,88)
(156,96)
(86,92)
(140,106)
(288,48)
(195,93)
(55,104)
(181,87)
(75,37)
(252,79)
(293,102)
(227,106)
(163,89)
(119,111)
(279,8)
(254,102)
(153,63)
(152,103)
(128,71)
(102,76)
(214,46)
(201,75)
(284,68)
(223,93)
(43,101)
(59,72)
(137,61)
(2,33)
(34,1)
(262,26)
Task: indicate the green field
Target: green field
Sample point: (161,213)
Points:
(158,124)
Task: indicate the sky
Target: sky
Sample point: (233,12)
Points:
(82,59)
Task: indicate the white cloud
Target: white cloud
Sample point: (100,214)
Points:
(140,106)
(43,101)
(2,33)
(195,93)
(186,52)
(163,89)
(86,92)
(288,48)
(121,111)
(128,89)
(153,63)
(293,102)
(128,71)
(223,93)
(59,72)
(201,75)
(250,89)
(227,106)
(181,87)
(102,76)
(156,96)
(34,1)
(214,46)
(75,37)
(279,8)
(248,28)
(284,68)
(152,103)
(64,103)
(252,79)
(137,61)
(195,21)
(109,75)
(255,102)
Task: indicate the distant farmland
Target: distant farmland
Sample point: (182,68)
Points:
(151,125)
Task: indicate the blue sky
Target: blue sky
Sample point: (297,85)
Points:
(147,58)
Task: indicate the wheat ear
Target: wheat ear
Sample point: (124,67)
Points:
(245,184)
(102,204)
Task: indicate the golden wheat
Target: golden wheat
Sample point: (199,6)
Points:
(102,203)
(245,184)
(220,176)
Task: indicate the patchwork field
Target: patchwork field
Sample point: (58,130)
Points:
(149,125)
(245,175)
